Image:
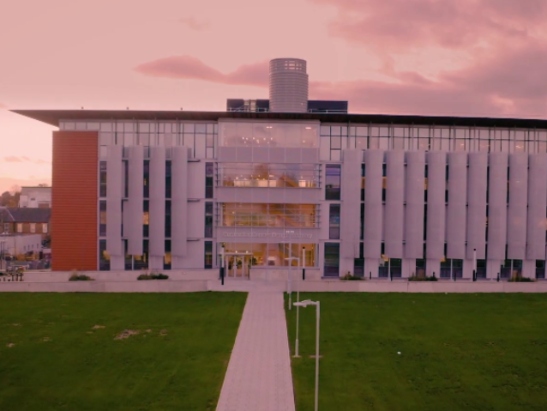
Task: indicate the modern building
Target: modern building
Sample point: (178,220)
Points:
(35,197)
(373,195)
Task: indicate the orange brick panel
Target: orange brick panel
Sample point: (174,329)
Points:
(74,200)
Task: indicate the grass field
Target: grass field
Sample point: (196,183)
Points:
(61,352)
(458,352)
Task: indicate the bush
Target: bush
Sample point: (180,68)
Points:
(518,278)
(152,276)
(422,278)
(350,277)
(80,277)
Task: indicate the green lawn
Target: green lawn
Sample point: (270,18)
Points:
(458,352)
(56,355)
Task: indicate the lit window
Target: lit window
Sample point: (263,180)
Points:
(32,227)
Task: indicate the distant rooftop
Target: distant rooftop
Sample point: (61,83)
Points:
(263,105)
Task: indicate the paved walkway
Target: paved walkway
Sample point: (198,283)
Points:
(259,373)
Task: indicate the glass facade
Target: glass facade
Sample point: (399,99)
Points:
(271,254)
(268,134)
(269,175)
(268,215)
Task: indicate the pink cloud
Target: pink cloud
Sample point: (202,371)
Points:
(398,25)
(194,24)
(188,67)
(3,106)
(517,73)
(24,159)
(15,159)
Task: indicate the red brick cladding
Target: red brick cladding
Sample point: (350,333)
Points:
(74,195)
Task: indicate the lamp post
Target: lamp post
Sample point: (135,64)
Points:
(298,306)
(303,263)
(474,264)
(304,304)
(222,274)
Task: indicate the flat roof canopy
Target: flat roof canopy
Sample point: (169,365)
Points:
(54,117)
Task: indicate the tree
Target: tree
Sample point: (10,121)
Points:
(8,199)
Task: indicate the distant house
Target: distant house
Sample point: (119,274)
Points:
(35,197)
(25,220)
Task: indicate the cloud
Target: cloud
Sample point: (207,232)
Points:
(24,159)
(15,159)
(400,25)
(191,68)
(194,24)
(3,106)
(516,74)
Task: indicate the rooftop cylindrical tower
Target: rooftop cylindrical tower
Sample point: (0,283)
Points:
(288,85)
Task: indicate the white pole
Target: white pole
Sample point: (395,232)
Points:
(298,309)
(317,357)
(475,260)
(289,278)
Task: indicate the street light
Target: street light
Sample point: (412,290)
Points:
(304,304)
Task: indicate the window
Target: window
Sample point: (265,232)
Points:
(145,218)
(334,222)
(168,219)
(146,179)
(269,215)
(332,260)
(208,254)
(363,177)
(44,227)
(19,227)
(102,218)
(332,184)
(6,228)
(32,227)
(272,175)
(126,178)
(104,257)
(167,256)
(102,179)
(168,172)
(208,219)
(209,171)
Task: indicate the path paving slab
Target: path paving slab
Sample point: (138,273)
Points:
(259,374)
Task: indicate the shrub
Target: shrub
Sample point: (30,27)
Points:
(152,276)
(422,278)
(80,277)
(518,278)
(350,277)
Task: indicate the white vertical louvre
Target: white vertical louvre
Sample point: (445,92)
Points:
(351,204)
(476,204)
(456,209)
(516,211)
(374,160)
(537,204)
(394,210)
(414,210)
(497,205)
(179,202)
(114,192)
(157,202)
(436,205)
(134,214)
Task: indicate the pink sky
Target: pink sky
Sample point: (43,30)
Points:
(438,57)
